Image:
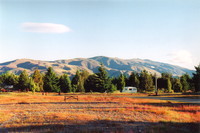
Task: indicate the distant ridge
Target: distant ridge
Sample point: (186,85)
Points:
(114,66)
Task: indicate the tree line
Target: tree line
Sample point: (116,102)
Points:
(83,81)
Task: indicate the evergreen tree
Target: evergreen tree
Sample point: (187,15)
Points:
(121,82)
(185,81)
(51,81)
(23,83)
(166,75)
(165,82)
(83,76)
(92,83)
(76,78)
(112,89)
(33,86)
(105,81)
(38,79)
(114,80)
(134,80)
(196,78)
(146,81)
(177,86)
(9,78)
(77,82)
(169,85)
(65,83)
(126,79)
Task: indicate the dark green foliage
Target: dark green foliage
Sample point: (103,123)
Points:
(76,78)
(112,89)
(169,85)
(126,79)
(166,75)
(38,79)
(23,83)
(104,80)
(99,82)
(185,81)
(9,78)
(65,83)
(79,80)
(196,78)
(33,86)
(134,80)
(92,83)
(165,82)
(114,80)
(83,76)
(146,81)
(51,81)
(177,86)
(77,83)
(121,82)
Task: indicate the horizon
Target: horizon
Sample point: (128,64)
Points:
(163,31)
(93,57)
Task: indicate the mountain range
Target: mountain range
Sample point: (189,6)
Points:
(114,66)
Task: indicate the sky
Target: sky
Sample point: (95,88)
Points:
(160,30)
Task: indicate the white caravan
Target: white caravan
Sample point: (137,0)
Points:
(129,89)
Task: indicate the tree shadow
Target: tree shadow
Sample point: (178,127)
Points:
(64,103)
(170,104)
(105,126)
(176,105)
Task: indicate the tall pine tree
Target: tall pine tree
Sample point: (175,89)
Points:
(134,80)
(92,83)
(185,81)
(196,78)
(51,81)
(166,77)
(77,83)
(146,81)
(38,79)
(104,80)
(121,82)
(65,83)
(177,86)
(33,86)
(23,83)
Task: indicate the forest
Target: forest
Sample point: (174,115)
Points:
(101,82)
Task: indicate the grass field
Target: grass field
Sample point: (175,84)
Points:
(27,112)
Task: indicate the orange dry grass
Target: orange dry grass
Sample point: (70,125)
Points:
(33,110)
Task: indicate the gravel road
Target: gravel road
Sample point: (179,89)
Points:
(177,99)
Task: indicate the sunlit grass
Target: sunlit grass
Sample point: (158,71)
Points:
(27,109)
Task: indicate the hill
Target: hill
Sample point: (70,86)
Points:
(114,66)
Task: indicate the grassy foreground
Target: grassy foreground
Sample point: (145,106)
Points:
(25,112)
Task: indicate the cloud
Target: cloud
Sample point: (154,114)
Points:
(182,57)
(44,27)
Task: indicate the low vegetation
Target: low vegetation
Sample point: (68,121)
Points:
(28,112)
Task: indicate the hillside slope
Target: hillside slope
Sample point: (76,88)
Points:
(114,66)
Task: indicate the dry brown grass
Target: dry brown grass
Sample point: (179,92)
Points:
(94,113)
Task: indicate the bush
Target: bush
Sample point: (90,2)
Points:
(112,89)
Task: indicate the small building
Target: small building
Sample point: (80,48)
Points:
(129,89)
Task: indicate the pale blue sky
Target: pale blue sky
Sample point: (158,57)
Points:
(160,30)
